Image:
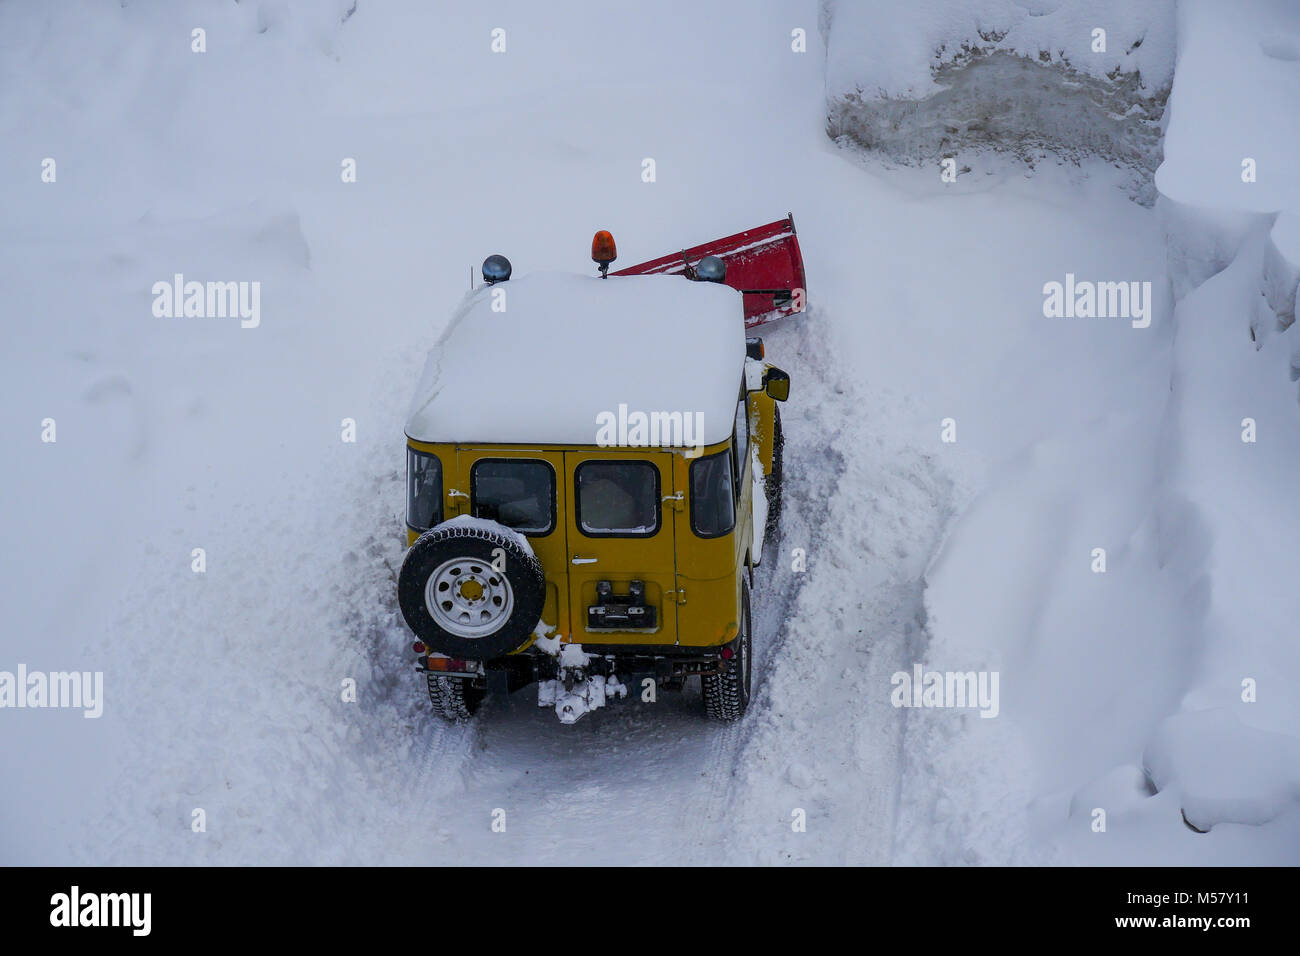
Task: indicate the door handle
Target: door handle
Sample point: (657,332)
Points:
(579,560)
(453,493)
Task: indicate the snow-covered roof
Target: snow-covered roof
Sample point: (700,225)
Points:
(566,349)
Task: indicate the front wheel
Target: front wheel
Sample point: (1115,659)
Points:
(726,695)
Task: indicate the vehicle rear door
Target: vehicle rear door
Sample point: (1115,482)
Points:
(524,489)
(620,531)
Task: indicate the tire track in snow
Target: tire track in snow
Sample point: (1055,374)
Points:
(409,764)
(713,806)
(826,739)
(720,805)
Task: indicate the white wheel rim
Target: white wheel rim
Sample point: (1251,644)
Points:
(468,597)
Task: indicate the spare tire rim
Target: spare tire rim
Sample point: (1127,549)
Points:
(469,598)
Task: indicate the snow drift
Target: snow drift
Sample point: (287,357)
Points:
(1074,78)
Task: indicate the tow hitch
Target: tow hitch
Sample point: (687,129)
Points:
(575,691)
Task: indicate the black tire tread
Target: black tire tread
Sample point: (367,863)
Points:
(530,591)
(725,695)
(454,698)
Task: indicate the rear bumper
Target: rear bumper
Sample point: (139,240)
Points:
(666,663)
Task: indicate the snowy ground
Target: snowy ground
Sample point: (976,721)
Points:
(223,689)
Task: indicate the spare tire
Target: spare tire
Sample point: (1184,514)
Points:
(471,589)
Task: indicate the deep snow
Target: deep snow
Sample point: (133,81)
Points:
(942,79)
(224,689)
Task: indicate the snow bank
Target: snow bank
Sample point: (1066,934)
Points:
(1162,685)
(874,49)
(1232,141)
(1234,101)
(1023,77)
(1233,444)
(1207,692)
(1223,770)
(1280,275)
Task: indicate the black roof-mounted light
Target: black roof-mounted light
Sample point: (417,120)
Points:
(496,269)
(711,269)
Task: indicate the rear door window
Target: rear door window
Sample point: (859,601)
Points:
(517,492)
(423,490)
(713,508)
(617,498)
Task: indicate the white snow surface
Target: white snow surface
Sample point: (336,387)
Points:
(539,359)
(226,689)
(1233,139)
(1225,771)
(947,81)
(1235,99)
(883,48)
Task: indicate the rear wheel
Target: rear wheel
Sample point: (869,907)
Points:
(726,695)
(454,698)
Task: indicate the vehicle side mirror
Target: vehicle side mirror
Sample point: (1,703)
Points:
(776,383)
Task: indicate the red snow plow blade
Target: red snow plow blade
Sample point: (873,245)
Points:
(764,263)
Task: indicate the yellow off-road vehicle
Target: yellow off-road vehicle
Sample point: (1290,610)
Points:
(592,467)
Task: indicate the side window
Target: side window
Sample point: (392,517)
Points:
(518,492)
(740,447)
(713,508)
(423,490)
(617,498)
